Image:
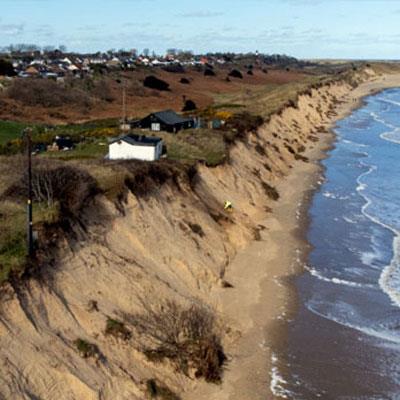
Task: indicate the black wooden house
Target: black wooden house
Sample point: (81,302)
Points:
(167,120)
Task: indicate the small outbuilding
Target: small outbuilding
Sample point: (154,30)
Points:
(135,147)
(167,120)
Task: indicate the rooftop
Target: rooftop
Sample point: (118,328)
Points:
(138,140)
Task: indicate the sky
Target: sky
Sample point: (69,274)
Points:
(356,29)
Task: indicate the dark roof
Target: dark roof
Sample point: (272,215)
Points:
(64,142)
(170,117)
(138,140)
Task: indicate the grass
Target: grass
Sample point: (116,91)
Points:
(194,145)
(12,239)
(13,247)
(10,130)
(93,150)
(266,99)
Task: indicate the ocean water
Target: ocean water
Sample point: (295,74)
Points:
(344,342)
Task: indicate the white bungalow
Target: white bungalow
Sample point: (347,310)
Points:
(135,147)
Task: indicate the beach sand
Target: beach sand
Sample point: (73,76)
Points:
(263,297)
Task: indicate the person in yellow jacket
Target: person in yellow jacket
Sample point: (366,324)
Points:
(228,206)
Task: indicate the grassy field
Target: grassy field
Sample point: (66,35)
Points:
(266,99)
(195,145)
(10,130)
(96,149)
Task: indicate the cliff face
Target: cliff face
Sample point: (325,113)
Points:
(175,243)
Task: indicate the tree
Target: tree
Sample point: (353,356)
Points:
(6,68)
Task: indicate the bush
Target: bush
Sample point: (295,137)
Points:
(69,186)
(185,81)
(155,390)
(186,335)
(102,91)
(197,229)
(117,329)
(209,72)
(260,150)
(46,93)
(250,72)
(270,191)
(244,122)
(190,105)
(235,73)
(154,83)
(174,68)
(86,349)
(6,68)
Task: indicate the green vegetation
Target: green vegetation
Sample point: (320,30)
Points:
(117,329)
(96,149)
(12,239)
(195,145)
(86,349)
(10,130)
(13,247)
(265,100)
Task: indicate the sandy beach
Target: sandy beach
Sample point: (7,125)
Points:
(263,297)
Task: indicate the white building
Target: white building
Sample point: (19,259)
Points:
(136,147)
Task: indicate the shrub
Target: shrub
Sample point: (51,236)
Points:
(6,68)
(209,72)
(260,150)
(235,73)
(117,329)
(186,335)
(270,191)
(46,93)
(190,105)
(155,390)
(174,68)
(69,186)
(185,81)
(244,122)
(250,72)
(197,229)
(102,90)
(86,349)
(154,83)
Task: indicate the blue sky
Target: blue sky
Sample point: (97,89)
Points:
(302,28)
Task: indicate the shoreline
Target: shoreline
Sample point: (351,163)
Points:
(263,299)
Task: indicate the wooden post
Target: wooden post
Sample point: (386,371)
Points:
(28,133)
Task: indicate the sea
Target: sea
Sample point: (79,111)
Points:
(344,340)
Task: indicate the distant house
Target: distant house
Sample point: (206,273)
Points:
(32,71)
(135,147)
(167,120)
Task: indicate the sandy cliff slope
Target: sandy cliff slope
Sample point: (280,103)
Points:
(154,250)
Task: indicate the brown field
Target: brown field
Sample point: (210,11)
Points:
(203,90)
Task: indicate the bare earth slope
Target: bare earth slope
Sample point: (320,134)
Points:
(152,251)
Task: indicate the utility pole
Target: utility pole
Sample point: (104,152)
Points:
(123,103)
(27,132)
